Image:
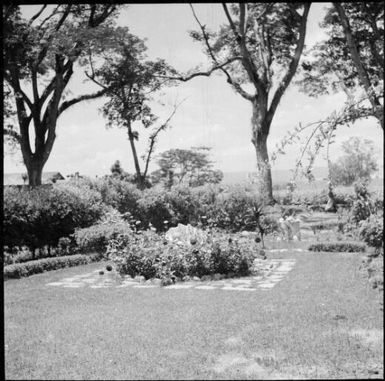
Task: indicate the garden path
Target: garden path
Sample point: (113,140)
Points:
(278,269)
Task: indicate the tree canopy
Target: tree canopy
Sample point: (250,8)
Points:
(130,82)
(192,167)
(352,56)
(39,57)
(259,48)
(357,162)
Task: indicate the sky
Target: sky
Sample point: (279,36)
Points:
(212,114)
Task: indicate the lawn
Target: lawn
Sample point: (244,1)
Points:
(322,320)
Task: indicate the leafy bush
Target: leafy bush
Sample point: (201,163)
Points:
(186,205)
(349,247)
(154,208)
(96,237)
(150,255)
(371,231)
(121,194)
(34,267)
(64,245)
(233,211)
(16,256)
(362,206)
(35,217)
(208,206)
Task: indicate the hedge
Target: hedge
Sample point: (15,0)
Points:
(19,270)
(349,247)
(36,217)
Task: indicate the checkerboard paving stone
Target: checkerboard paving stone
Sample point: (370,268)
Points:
(279,268)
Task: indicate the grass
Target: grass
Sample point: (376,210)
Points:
(322,320)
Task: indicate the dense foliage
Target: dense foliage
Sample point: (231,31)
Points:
(189,167)
(363,205)
(150,255)
(330,65)
(40,55)
(372,231)
(96,237)
(358,162)
(35,217)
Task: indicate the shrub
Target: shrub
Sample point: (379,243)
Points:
(233,211)
(362,206)
(153,207)
(121,194)
(64,245)
(34,267)
(186,205)
(349,247)
(371,231)
(35,217)
(150,255)
(96,237)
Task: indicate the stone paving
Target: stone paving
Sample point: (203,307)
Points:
(278,269)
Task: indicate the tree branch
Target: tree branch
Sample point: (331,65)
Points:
(93,79)
(44,50)
(154,136)
(292,67)
(33,18)
(242,13)
(81,98)
(363,75)
(232,25)
(54,12)
(15,84)
(237,87)
(248,63)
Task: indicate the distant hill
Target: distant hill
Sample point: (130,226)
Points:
(282,176)
(279,176)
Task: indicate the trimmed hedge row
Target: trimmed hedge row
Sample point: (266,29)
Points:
(349,247)
(19,270)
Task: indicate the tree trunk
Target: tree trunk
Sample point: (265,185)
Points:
(265,186)
(139,177)
(35,170)
(260,132)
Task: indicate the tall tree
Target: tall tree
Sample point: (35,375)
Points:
(191,167)
(352,56)
(130,83)
(350,59)
(39,59)
(259,48)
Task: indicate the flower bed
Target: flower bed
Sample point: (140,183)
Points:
(151,255)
